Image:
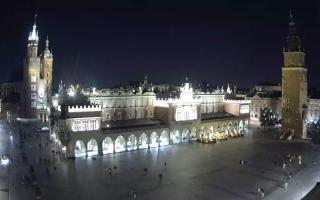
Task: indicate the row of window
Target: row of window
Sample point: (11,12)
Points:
(85,125)
(110,103)
(186,115)
(120,116)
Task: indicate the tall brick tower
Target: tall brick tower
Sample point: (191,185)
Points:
(37,79)
(31,74)
(46,71)
(294,84)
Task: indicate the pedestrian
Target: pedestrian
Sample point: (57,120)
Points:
(259,189)
(299,159)
(262,193)
(283,165)
(290,175)
(165,163)
(285,185)
(145,169)
(160,176)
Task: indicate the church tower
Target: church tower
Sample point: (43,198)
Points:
(294,84)
(46,70)
(31,74)
(37,79)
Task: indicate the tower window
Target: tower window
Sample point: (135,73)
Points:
(33,79)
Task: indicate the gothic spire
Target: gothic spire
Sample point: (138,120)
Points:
(47,52)
(33,35)
(293,41)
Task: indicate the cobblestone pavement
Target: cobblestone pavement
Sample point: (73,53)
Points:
(192,171)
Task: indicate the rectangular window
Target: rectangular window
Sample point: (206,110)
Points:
(33,79)
(33,87)
(77,126)
(33,96)
(33,104)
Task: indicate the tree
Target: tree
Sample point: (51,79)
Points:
(267,118)
(313,129)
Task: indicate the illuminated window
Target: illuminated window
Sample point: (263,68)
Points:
(33,79)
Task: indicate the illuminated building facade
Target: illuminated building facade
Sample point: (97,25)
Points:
(97,122)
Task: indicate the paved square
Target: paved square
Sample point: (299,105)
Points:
(192,171)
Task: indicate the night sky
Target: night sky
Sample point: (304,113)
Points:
(102,43)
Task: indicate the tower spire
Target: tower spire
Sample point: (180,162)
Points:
(293,41)
(33,35)
(291,23)
(47,42)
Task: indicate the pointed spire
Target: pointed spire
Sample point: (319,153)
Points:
(33,36)
(35,20)
(291,23)
(47,43)
(47,52)
(293,42)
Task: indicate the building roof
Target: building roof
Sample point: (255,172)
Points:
(217,115)
(131,124)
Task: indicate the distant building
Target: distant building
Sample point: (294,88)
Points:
(313,111)
(265,96)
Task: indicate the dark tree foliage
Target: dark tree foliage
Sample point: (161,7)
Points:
(313,129)
(267,118)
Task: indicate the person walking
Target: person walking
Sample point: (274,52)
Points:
(285,185)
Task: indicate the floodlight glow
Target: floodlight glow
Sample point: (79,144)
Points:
(71,93)
(5,161)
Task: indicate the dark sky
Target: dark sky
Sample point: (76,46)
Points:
(103,42)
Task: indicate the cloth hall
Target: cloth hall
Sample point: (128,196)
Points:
(90,122)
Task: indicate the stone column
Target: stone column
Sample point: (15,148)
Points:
(70,151)
(100,151)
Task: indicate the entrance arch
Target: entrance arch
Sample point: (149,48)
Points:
(107,145)
(79,149)
(132,143)
(120,144)
(92,147)
(246,125)
(164,138)
(154,140)
(236,126)
(185,135)
(193,134)
(230,127)
(241,125)
(175,137)
(224,127)
(143,141)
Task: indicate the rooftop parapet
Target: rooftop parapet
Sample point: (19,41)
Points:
(84,108)
(237,101)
